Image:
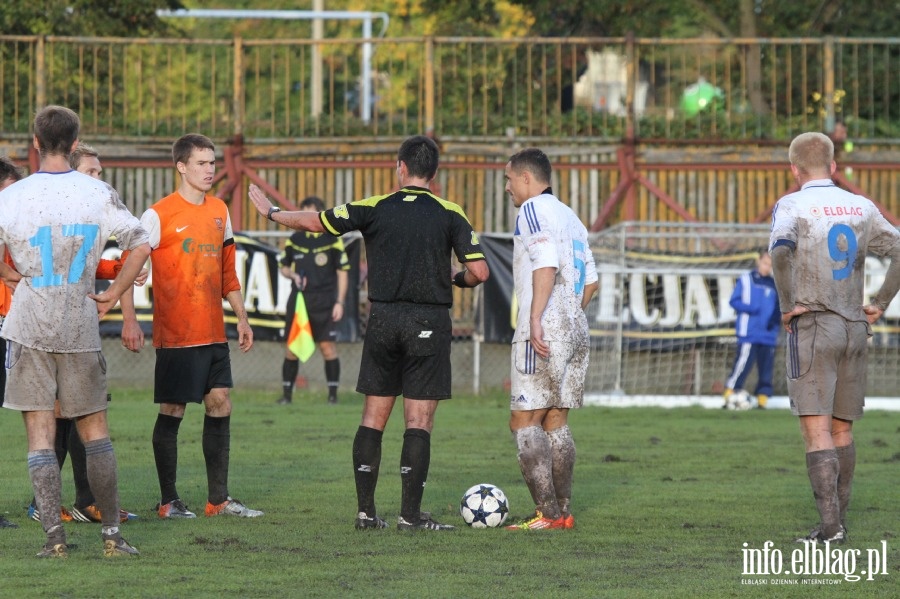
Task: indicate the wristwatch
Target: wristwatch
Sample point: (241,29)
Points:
(272,210)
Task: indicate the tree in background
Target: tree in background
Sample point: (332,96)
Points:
(120,18)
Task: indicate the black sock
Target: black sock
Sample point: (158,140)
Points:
(83,495)
(165,451)
(333,376)
(366,461)
(61,442)
(415,458)
(217,453)
(289,370)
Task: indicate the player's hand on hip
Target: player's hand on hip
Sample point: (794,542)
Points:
(787,317)
(537,342)
(105,302)
(873,313)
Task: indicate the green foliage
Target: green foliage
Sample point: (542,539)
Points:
(124,18)
(663,500)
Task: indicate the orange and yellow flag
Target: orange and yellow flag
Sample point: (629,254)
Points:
(300,337)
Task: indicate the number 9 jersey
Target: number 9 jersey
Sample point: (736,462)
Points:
(832,231)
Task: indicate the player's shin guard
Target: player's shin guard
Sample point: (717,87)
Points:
(366,462)
(846,456)
(45,480)
(822,468)
(165,452)
(415,459)
(536,463)
(217,453)
(103,477)
(562,447)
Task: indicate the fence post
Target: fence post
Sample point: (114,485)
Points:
(237,100)
(630,84)
(40,95)
(429,86)
(828,92)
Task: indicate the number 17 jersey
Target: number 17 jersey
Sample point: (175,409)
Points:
(833,231)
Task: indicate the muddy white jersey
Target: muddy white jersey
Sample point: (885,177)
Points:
(833,231)
(549,234)
(55,226)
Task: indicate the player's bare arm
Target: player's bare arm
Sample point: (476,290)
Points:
(302,220)
(245,333)
(337,312)
(474,274)
(9,275)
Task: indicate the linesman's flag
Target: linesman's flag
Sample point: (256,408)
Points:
(300,337)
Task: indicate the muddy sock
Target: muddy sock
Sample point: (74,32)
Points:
(103,476)
(562,447)
(822,468)
(45,480)
(536,464)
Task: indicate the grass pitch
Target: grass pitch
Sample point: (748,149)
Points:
(664,501)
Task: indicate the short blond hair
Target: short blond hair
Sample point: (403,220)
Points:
(812,152)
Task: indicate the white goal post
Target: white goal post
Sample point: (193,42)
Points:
(662,328)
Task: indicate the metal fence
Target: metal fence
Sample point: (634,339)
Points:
(602,88)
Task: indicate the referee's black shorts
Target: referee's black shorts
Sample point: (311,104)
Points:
(406,352)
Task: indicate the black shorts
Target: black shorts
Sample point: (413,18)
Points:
(319,307)
(187,374)
(406,352)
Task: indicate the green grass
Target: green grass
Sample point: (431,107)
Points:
(664,500)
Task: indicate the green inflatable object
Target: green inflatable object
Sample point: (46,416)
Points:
(699,96)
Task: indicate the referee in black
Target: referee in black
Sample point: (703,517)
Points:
(409,236)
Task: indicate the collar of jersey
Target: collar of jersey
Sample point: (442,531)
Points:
(818,183)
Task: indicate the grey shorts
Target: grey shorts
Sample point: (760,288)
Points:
(557,382)
(826,366)
(36,379)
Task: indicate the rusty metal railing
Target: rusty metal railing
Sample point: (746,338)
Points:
(480,88)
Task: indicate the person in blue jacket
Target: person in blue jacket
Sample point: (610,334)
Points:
(758,322)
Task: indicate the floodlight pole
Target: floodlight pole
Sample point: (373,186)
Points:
(314,15)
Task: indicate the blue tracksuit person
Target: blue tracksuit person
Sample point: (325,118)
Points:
(758,322)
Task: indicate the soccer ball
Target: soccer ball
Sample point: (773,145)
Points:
(740,400)
(484,506)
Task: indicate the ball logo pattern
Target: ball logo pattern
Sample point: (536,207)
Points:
(484,506)
(740,400)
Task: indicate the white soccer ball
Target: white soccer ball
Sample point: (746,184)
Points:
(484,506)
(740,400)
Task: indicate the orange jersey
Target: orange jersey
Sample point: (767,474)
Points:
(192,269)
